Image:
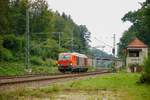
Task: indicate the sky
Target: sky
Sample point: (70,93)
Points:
(102,18)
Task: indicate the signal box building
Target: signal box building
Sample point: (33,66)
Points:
(136,53)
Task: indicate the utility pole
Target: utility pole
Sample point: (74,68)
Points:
(72,38)
(114,44)
(59,39)
(103,51)
(27,53)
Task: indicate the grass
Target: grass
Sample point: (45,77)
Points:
(11,68)
(18,68)
(121,85)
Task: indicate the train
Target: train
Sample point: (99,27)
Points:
(73,62)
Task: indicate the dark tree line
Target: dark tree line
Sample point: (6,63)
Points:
(44,27)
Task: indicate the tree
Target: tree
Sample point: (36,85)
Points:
(145,77)
(43,23)
(124,41)
(140,28)
(4,8)
(40,16)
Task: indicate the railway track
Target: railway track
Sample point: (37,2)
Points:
(27,79)
(28,76)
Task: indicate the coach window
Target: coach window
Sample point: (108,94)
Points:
(64,57)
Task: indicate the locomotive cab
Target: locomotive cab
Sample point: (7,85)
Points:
(64,62)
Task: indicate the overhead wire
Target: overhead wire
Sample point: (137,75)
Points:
(103,42)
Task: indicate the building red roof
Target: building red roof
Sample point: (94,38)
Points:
(136,43)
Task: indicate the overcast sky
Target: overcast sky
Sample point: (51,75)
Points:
(102,17)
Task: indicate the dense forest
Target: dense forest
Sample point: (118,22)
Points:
(50,33)
(48,28)
(140,28)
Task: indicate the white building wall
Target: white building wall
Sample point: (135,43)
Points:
(136,60)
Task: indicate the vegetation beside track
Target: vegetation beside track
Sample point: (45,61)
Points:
(18,68)
(122,86)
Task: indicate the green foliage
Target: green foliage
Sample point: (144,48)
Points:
(4,16)
(140,28)
(1,42)
(18,68)
(145,78)
(36,60)
(50,63)
(45,49)
(11,68)
(44,69)
(41,70)
(146,65)
(40,19)
(5,55)
(91,68)
(51,89)
(45,26)
(122,86)
(13,43)
(124,41)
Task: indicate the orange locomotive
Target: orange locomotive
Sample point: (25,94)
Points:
(73,62)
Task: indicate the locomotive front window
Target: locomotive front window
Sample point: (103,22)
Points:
(64,57)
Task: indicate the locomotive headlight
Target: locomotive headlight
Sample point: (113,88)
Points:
(70,63)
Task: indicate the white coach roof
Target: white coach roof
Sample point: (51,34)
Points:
(80,55)
(77,54)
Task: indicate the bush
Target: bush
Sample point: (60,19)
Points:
(40,51)
(36,60)
(1,41)
(5,54)
(44,52)
(138,67)
(145,78)
(50,62)
(13,43)
(41,70)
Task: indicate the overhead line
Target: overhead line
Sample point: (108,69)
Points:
(103,42)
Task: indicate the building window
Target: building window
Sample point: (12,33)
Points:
(133,53)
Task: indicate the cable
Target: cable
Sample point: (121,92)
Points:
(103,42)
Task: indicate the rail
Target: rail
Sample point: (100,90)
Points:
(20,80)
